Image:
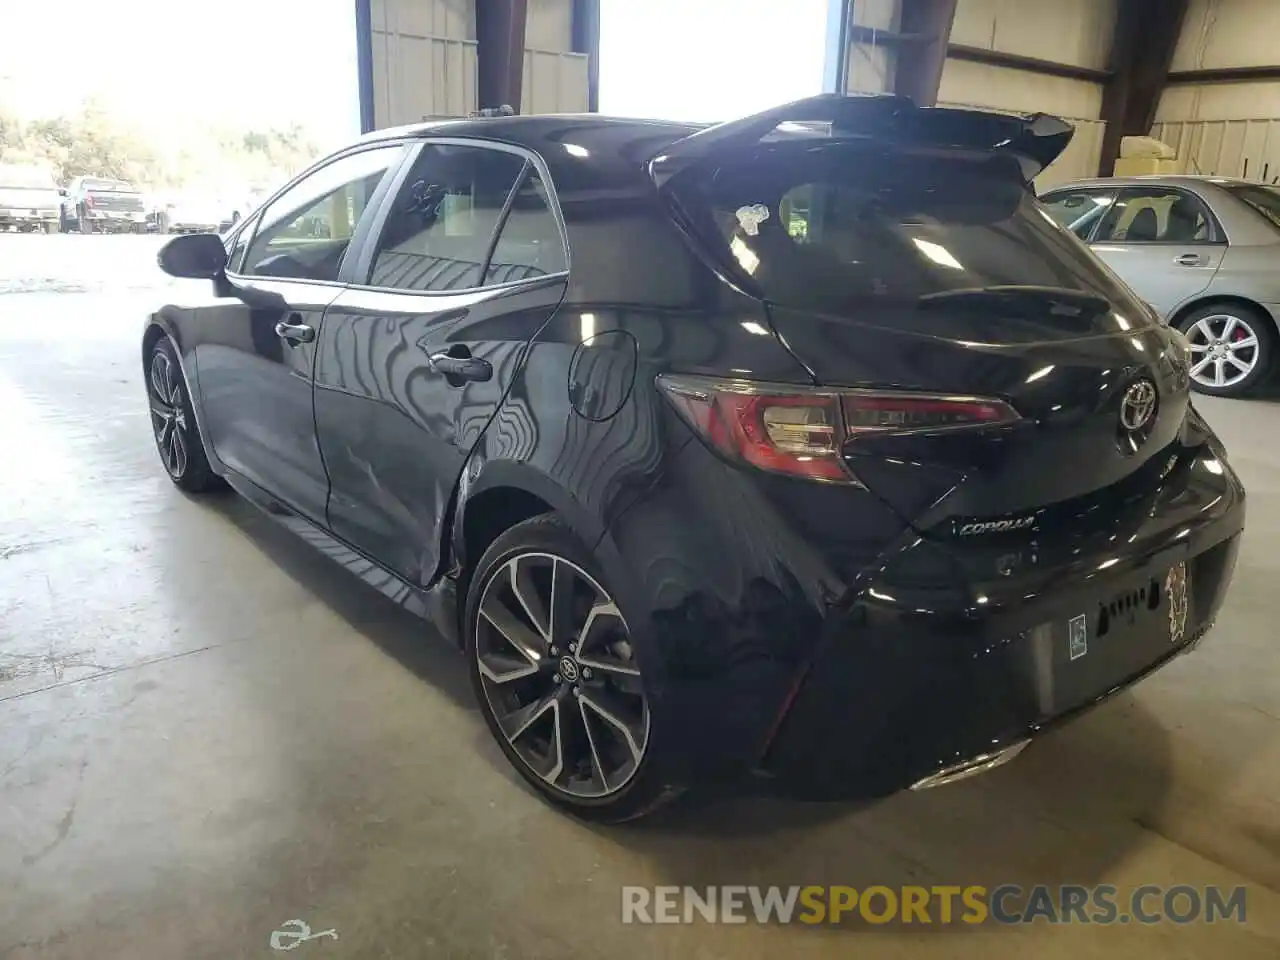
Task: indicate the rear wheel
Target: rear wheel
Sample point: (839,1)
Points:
(1231,348)
(554,671)
(174,424)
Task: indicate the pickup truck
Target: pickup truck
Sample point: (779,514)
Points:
(102,205)
(28,199)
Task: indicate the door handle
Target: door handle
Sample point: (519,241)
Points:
(461,369)
(295,331)
(1189,260)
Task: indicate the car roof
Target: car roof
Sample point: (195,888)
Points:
(540,132)
(1171,179)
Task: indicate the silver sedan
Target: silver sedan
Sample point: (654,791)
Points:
(1204,251)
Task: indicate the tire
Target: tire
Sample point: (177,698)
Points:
(84,224)
(1241,335)
(173,423)
(601,773)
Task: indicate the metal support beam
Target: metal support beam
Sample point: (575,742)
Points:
(1015,61)
(917,72)
(364,63)
(586,39)
(500,28)
(835,65)
(1143,43)
(1268,73)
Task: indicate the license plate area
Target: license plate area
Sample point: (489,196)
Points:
(1077,659)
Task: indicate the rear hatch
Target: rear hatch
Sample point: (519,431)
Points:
(114,196)
(900,250)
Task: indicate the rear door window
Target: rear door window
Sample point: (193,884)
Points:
(1155,215)
(830,227)
(443,221)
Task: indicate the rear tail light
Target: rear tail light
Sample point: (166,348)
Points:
(803,431)
(88,201)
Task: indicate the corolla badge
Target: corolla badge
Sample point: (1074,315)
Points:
(994,526)
(1138,405)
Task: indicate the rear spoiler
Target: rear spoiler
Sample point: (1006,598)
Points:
(1034,140)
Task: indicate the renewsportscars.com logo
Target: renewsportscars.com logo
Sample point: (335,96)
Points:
(1005,904)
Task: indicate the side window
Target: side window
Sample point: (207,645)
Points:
(1155,215)
(304,233)
(1079,210)
(529,244)
(442,221)
(236,255)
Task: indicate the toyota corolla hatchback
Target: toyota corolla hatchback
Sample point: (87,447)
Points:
(805,450)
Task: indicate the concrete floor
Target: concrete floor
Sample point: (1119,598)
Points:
(206,730)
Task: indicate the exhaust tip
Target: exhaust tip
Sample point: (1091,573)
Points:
(971,767)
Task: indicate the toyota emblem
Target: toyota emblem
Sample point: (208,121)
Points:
(1138,406)
(569,669)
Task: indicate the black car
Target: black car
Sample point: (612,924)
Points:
(804,451)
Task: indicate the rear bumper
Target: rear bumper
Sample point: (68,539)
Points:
(932,657)
(914,684)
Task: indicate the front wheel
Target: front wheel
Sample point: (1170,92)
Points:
(174,423)
(1231,348)
(553,668)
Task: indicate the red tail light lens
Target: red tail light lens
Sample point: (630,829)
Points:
(801,431)
(88,201)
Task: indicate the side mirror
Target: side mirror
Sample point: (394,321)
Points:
(197,256)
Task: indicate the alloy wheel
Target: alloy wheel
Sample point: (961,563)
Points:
(1224,350)
(560,677)
(168,414)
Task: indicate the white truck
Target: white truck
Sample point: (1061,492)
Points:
(29,199)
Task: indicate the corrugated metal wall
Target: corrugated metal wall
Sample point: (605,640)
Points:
(1227,148)
(424,60)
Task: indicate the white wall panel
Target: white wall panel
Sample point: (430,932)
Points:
(1076,32)
(1220,101)
(1020,91)
(1229,148)
(554,82)
(549,25)
(870,66)
(424,60)
(1228,33)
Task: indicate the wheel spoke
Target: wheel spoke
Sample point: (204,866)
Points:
(526,594)
(179,450)
(1202,327)
(161,409)
(1198,347)
(523,640)
(157,378)
(1242,365)
(516,723)
(1243,343)
(605,706)
(501,669)
(1230,327)
(597,768)
(1196,370)
(592,652)
(1219,372)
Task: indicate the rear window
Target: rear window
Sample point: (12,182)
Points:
(1264,200)
(827,227)
(108,186)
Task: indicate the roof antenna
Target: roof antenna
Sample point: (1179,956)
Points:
(502,111)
